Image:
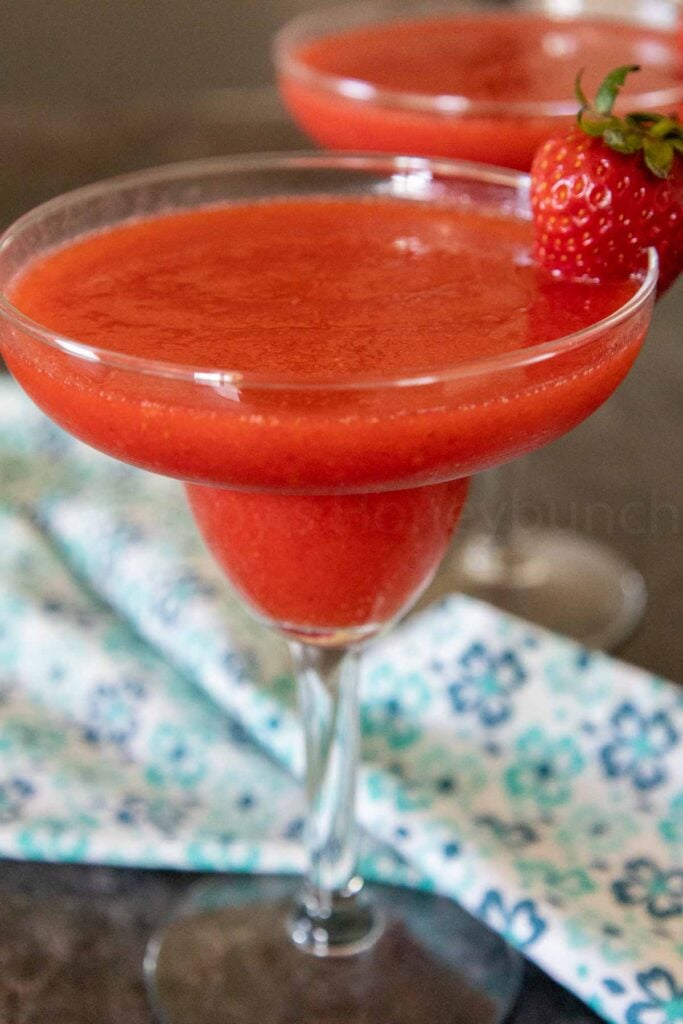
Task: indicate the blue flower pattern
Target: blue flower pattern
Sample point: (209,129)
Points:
(536,783)
(664,999)
(176,758)
(113,712)
(639,746)
(543,768)
(519,923)
(486,682)
(645,882)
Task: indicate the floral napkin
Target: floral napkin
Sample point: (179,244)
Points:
(145,720)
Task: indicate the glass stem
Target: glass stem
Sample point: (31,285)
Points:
(333,917)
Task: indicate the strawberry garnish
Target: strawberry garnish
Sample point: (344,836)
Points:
(608,189)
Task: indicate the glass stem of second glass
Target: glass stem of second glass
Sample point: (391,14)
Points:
(333,916)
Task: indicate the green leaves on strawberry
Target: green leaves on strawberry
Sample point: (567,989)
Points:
(608,189)
(658,136)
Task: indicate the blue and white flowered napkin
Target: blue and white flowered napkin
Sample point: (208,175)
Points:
(145,720)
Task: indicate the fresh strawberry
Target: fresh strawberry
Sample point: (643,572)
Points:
(608,189)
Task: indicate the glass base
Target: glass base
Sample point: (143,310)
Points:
(561,580)
(227,958)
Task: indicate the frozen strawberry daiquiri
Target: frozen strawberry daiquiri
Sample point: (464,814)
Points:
(488,85)
(323,349)
(313,292)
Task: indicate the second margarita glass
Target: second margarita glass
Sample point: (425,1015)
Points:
(489,83)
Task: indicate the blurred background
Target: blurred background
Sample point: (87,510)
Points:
(110,50)
(94,87)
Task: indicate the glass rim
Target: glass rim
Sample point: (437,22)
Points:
(382,163)
(359,90)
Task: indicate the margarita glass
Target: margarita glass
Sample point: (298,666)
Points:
(328,495)
(476,81)
(489,83)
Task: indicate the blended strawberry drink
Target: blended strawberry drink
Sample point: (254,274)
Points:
(323,349)
(488,85)
(318,290)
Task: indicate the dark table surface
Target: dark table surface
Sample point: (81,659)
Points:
(73,937)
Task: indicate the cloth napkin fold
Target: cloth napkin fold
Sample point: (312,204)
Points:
(146,720)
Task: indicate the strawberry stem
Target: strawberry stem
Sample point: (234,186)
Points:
(658,136)
(611,87)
